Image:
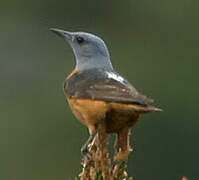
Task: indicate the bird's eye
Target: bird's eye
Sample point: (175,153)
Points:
(80,39)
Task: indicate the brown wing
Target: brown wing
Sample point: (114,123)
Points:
(114,91)
(103,85)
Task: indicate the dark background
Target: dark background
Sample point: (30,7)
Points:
(152,43)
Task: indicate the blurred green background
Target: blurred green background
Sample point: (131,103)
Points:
(152,43)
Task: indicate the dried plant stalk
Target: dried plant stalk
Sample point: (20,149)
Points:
(100,166)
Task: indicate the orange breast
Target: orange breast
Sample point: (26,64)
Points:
(91,112)
(72,73)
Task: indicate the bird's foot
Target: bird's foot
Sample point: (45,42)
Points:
(85,152)
(122,155)
(86,148)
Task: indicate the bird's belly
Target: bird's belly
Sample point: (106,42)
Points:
(89,112)
(92,112)
(120,116)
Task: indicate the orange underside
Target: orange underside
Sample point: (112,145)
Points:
(116,115)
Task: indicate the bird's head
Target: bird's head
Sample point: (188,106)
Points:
(90,50)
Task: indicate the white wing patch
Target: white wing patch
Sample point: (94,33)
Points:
(114,76)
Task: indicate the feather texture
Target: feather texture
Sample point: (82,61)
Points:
(99,84)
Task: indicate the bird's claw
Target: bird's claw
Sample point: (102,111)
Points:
(85,152)
(86,148)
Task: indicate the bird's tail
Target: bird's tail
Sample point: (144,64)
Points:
(153,108)
(145,109)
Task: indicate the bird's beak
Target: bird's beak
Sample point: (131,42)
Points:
(64,34)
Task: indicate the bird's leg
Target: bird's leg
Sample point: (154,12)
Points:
(85,147)
(85,150)
(122,144)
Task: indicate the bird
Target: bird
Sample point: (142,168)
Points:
(98,94)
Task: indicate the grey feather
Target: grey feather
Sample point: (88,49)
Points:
(96,84)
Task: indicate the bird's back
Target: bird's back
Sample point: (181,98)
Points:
(99,84)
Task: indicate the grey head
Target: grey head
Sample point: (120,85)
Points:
(90,51)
